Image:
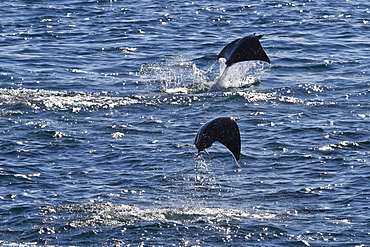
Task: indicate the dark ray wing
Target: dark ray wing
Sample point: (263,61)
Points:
(227,50)
(225,130)
(245,49)
(233,140)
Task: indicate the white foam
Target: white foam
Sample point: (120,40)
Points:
(121,214)
(74,101)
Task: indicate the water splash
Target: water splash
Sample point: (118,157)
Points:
(176,74)
(243,74)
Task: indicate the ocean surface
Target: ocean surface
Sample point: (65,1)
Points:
(100,102)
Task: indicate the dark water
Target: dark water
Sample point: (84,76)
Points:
(101,101)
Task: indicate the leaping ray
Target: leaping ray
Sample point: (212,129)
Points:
(224,130)
(244,49)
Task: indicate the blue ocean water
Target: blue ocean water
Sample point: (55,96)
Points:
(100,102)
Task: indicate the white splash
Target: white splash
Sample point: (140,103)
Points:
(243,74)
(177,75)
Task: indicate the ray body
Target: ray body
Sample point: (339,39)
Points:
(244,49)
(224,130)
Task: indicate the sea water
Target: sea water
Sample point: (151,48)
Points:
(100,102)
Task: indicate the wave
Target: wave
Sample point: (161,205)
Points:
(15,101)
(63,100)
(109,214)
